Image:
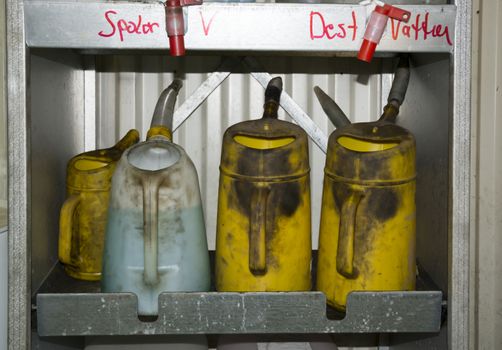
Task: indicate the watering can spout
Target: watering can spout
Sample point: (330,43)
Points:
(272,98)
(164,109)
(331,108)
(397,91)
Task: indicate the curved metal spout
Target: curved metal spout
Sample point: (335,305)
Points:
(331,108)
(164,109)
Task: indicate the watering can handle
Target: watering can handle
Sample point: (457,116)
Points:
(258,233)
(346,235)
(151,236)
(128,140)
(66,227)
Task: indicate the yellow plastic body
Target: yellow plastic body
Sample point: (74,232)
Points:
(263,239)
(367,231)
(83,215)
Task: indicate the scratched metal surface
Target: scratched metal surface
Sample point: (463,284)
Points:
(127,88)
(246,313)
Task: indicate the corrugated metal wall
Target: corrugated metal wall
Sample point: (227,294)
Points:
(127,88)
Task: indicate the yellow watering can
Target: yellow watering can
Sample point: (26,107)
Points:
(263,238)
(83,216)
(367,231)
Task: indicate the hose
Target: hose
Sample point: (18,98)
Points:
(397,91)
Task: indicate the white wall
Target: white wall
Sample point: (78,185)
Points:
(3,289)
(3,122)
(487,181)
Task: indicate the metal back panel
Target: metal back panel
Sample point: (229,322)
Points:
(57,133)
(426,113)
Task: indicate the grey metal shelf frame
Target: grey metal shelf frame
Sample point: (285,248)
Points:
(301,28)
(227,28)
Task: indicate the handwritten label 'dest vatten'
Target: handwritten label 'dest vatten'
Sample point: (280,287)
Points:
(121,27)
(418,28)
(320,27)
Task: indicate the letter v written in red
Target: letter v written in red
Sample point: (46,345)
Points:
(207,26)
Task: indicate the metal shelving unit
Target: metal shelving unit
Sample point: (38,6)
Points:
(64,308)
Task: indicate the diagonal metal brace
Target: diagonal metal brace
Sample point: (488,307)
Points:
(203,91)
(289,105)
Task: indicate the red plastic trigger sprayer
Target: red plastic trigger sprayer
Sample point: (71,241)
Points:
(175,24)
(376,26)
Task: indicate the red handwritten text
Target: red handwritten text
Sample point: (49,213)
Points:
(122,26)
(320,29)
(421,29)
(207,26)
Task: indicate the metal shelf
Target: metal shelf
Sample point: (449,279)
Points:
(79,309)
(288,28)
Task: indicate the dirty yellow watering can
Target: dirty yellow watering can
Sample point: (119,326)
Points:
(263,238)
(367,231)
(83,215)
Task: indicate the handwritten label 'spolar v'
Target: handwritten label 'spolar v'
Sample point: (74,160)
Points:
(119,26)
(207,26)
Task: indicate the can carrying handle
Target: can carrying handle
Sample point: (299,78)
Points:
(66,227)
(258,231)
(150,227)
(128,140)
(346,235)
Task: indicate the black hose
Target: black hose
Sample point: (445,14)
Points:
(397,91)
(401,80)
(332,110)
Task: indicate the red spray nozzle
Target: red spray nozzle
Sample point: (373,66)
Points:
(376,26)
(175,24)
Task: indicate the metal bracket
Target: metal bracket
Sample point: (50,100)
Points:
(257,72)
(203,91)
